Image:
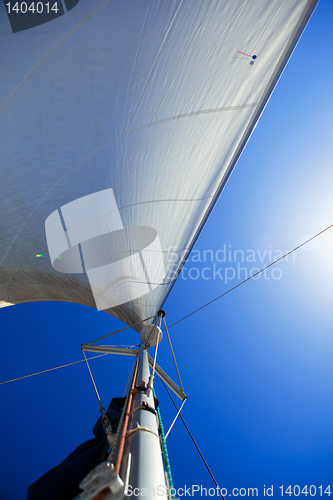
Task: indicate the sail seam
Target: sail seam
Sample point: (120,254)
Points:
(158,122)
(286,54)
(11,281)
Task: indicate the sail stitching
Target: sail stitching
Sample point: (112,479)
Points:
(158,122)
(185,317)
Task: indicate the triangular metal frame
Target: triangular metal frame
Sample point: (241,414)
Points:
(124,351)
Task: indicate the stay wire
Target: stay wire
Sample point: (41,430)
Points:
(123,329)
(195,444)
(173,354)
(252,276)
(51,369)
(102,409)
(174,420)
(176,322)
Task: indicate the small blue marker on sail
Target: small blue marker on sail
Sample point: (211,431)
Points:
(248,55)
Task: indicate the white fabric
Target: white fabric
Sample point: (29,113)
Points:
(91,216)
(151,99)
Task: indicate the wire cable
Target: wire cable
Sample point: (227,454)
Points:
(151,378)
(93,381)
(182,319)
(173,355)
(252,276)
(51,369)
(197,447)
(123,329)
(174,420)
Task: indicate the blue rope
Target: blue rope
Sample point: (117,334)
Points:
(165,451)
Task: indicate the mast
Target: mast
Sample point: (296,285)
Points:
(145,466)
(138,468)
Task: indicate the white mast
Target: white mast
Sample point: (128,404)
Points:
(138,468)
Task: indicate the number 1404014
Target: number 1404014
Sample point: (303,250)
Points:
(33,7)
(306,490)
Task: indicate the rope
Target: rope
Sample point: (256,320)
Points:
(122,330)
(124,429)
(173,355)
(197,447)
(164,450)
(51,369)
(252,276)
(139,428)
(180,409)
(116,441)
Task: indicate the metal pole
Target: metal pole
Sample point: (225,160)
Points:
(146,476)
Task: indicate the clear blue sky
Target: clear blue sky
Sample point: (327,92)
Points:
(257,364)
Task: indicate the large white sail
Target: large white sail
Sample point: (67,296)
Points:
(121,123)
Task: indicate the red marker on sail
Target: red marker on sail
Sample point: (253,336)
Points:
(248,55)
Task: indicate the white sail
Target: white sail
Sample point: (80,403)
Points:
(143,107)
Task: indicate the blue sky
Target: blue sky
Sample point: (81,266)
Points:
(257,364)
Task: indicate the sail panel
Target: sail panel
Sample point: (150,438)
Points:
(142,107)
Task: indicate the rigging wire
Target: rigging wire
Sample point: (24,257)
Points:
(51,369)
(182,319)
(174,420)
(151,378)
(105,420)
(123,329)
(197,447)
(174,358)
(250,277)
(93,381)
